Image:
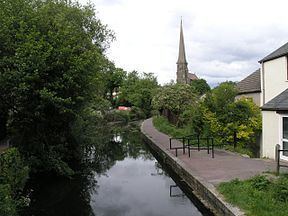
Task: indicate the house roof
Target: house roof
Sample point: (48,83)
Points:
(192,76)
(278,103)
(282,51)
(250,84)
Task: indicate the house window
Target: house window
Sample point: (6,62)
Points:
(285,136)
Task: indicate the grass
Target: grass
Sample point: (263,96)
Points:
(163,125)
(258,196)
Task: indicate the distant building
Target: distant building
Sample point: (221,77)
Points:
(250,87)
(183,75)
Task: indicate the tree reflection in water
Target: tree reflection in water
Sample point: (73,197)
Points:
(62,196)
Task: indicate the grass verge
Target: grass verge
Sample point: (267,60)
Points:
(258,196)
(163,125)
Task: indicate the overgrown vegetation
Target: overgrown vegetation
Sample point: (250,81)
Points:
(52,66)
(234,124)
(260,195)
(137,91)
(163,125)
(57,87)
(13,176)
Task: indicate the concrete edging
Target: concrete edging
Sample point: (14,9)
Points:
(204,190)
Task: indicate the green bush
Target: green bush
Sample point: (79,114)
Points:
(260,182)
(7,204)
(12,170)
(118,116)
(137,113)
(13,176)
(281,189)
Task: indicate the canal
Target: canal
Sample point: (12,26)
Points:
(127,180)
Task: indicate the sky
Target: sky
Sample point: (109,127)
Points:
(224,39)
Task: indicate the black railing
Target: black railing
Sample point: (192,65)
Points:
(209,141)
(190,141)
(182,139)
(277,158)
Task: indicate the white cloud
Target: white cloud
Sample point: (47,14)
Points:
(224,39)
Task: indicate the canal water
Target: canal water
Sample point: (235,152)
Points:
(127,180)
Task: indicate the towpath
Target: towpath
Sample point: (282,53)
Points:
(225,166)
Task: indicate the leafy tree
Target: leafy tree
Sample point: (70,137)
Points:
(114,79)
(175,99)
(193,118)
(137,90)
(245,122)
(51,65)
(200,86)
(230,121)
(219,99)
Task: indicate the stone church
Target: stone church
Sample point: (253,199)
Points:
(183,75)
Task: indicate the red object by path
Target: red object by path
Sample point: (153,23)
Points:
(124,108)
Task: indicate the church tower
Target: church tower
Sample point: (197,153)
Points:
(182,69)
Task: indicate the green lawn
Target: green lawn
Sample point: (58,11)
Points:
(258,196)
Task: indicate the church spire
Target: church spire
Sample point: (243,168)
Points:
(182,69)
(181,55)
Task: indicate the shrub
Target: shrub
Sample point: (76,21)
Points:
(7,204)
(13,176)
(281,189)
(260,182)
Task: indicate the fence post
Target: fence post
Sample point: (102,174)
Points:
(208,146)
(183,145)
(277,158)
(212,147)
(170,142)
(198,140)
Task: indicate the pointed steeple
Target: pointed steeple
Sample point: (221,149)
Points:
(181,55)
(182,69)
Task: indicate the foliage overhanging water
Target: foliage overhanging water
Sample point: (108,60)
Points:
(123,179)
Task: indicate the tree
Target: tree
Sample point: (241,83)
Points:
(244,122)
(114,79)
(200,86)
(231,122)
(51,65)
(174,99)
(220,98)
(137,90)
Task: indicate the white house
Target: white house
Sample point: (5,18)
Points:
(274,102)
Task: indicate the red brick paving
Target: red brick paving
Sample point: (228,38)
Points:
(224,167)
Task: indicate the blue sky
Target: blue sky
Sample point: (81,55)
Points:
(224,39)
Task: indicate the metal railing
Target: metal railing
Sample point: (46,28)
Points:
(189,143)
(182,139)
(277,158)
(209,141)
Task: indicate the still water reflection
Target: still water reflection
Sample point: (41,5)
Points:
(129,181)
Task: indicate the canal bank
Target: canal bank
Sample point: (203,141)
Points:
(203,173)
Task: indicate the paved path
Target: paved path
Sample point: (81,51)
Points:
(224,167)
